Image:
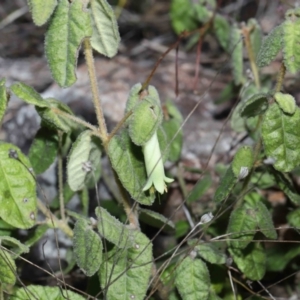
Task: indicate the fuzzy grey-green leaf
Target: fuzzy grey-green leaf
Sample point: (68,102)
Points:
(84,162)
(133,97)
(243,158)
(270,47)
(128,270)
(128,161)
(222,30)
(8,268)
(17,188)
(192,279)
(286,102)
(255,36)
(28,94)
(113,230)
(226,185)
(281,137)
(105,38)
(3,99)
(41,10)
(69,26)
(87,248)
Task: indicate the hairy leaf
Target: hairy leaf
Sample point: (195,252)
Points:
(192,279)
(294,218)
(236,43)
(84,162)
(113,230)
(18,246)
(209,252)
(222,30)
(199,189)
(270,47)
(255,36)
(128,270)
(243,158)
(87,248)
(156,220)
(281,137)
(69,26)
(286,102)
(105,38)
(251,261)
(28,94)
(3,99)
(226,185)
(133,97)
(43,150)
(41,10)
(17,188)
(8,268)
(128,162)
(255,105)
(44,293)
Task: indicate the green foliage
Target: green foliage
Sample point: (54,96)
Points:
(243,159)
(127,272)
(68,27)
(3,99)
(286,102)
(84,162)
(222,30)
(192,279)
(87,248)
(281,137)
(226,185)
(41,10)
(255,36)
(199,189)
(17,188)
(255,105)
(7,268)
(105,38)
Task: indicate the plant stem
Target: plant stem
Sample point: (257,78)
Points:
(88,52)
(60,178)
(280,77)
(57,223)
(246,33)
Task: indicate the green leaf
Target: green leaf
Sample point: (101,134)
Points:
(163,143)
(173,111)
(175,142)
(255,105)
(290,40)
(133,97)
(294,218)
(281,137)
(182,227)
(226,185)
(255,36)
(144,121)
(12,242)
(8,268)
(236,43)
(237,123)
(3,99)
(209,252)
(41,10)
(87,248)
(182,16)
(156,220)
(44,293)
(128,162)
(192,279)
(242,226)
(286,102)
(264,221)
(28,94)
(270,47)
(243,158)
(222,30)
(251,261)
(43,150)
(68,27)
(84,162)
(113,230)
(125,274)
(105,38)
(17,188)
(199,189)
(52,117)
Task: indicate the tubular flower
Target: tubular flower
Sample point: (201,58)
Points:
(154,166)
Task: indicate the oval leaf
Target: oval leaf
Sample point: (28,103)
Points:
(105,38)
(8,268)
(255,36)
(242,159)
(226,185)
(17,188)
(69,26)
(84,161)
(255,105)
(125,274)
(286,102)
(270,47)
(87,248)
(281,137)
(41,10)
(43,150)
(222,30)
(128,161)
(192,279)
(28,94)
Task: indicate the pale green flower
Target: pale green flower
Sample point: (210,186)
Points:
(154,166)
